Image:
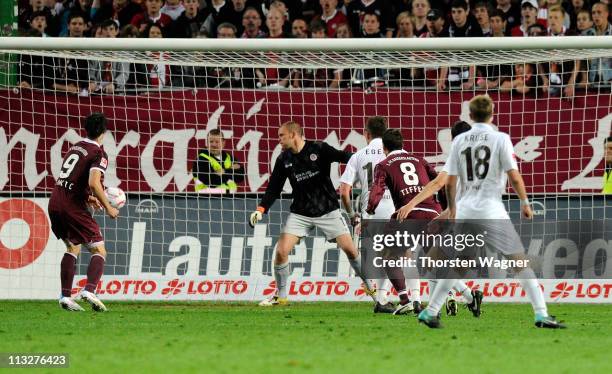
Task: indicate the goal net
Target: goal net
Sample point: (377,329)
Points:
(182,236)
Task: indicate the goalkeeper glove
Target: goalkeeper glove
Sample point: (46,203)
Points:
(256,216)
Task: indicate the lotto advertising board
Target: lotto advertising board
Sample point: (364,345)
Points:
(174,247)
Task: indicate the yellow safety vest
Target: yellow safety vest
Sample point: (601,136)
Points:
(607,182)
(216,166)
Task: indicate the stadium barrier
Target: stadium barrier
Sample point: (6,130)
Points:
(558,142)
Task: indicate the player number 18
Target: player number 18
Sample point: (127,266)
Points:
(482,155)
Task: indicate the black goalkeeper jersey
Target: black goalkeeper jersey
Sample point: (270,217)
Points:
(308,171)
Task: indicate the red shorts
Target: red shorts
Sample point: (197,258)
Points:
(74,225)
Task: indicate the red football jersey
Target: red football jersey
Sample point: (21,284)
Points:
(72,186)
(405,176)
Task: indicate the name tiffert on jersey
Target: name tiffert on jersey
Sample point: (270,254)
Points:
(411,189)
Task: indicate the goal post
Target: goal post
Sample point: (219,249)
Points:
(173,241)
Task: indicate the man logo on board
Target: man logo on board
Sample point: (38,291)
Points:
(147,206)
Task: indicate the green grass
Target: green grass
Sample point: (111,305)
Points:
(306,337)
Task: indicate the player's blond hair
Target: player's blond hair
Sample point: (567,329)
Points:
(294,127)
(481,108)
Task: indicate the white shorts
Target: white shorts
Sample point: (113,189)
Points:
(332,224)
(499,235)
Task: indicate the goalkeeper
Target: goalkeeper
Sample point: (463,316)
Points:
(315,202)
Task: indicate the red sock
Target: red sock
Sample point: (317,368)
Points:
(67,273)
(94,272)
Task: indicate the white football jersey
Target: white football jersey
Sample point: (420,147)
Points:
(481,159)
(360,168)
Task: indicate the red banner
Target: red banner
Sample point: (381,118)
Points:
(154,138)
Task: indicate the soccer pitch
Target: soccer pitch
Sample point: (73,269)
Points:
(306,337)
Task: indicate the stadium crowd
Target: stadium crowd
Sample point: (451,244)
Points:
(311,19)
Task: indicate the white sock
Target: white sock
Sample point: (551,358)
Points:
(438,297)
(463,289)
(432,286)
(382,289)
(356,265)
(534,292)
(281,274)
(414,286)
(413,283)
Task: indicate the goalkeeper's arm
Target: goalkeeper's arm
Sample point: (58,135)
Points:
(275,187)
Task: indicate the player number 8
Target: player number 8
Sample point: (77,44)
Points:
(410,176)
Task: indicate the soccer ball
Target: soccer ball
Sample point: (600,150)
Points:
(116,197)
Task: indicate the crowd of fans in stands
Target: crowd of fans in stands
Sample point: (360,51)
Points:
(311,19)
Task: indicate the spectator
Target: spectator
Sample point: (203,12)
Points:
(556,27)
(173,9)
(215,167)
(129,31)
(405,25)
(574,8)
(494,75)
(120,11)
(462,23)
(331,16)
(37,6)
(34,71)
(223,76)
(523,82)
(357,9)
(274,77)
(601,68)
(38,22)
(299,28)
(72,74)
(556,4)
(529,13)
(221,11)
(189,23)
(498,23)
(108,77)
(561,75)
(110,28)
(435,24)
(371,26)
(318,30)
(511,11)
(152,14)
(481,13)
(236,13)
(536,30)
(584,23)
(420,10)
(157,74)
(275,21)
(343,31)
(251,21)
(82,7)
(607,176)
(226,30)
(308,10)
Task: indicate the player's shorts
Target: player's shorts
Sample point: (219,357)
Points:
(499,235)
(76,226)
(332,224)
